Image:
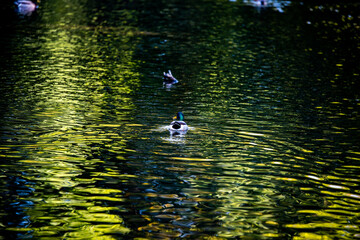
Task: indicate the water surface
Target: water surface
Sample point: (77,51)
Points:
(271,97)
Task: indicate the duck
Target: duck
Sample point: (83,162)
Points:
(26,7)
(169,78)
(178,126)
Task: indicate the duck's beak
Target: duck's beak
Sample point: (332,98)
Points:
(174,118)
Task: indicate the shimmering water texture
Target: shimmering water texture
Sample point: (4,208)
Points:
(270,94)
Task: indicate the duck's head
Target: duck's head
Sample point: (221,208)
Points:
(169,78)
(179,116)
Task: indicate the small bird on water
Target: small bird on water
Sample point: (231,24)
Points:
(178,126)
(26,7)
(169,78)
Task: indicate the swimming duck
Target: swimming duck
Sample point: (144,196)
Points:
(178,126)
(25,7)
(169,78)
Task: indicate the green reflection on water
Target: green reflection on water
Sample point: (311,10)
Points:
(69,87)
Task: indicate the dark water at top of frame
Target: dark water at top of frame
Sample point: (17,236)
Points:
(271,96)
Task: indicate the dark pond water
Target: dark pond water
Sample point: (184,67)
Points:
(271,96)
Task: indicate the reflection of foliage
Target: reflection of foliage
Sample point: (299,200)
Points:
(78,95)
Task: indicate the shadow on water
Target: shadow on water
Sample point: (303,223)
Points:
(270,98)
